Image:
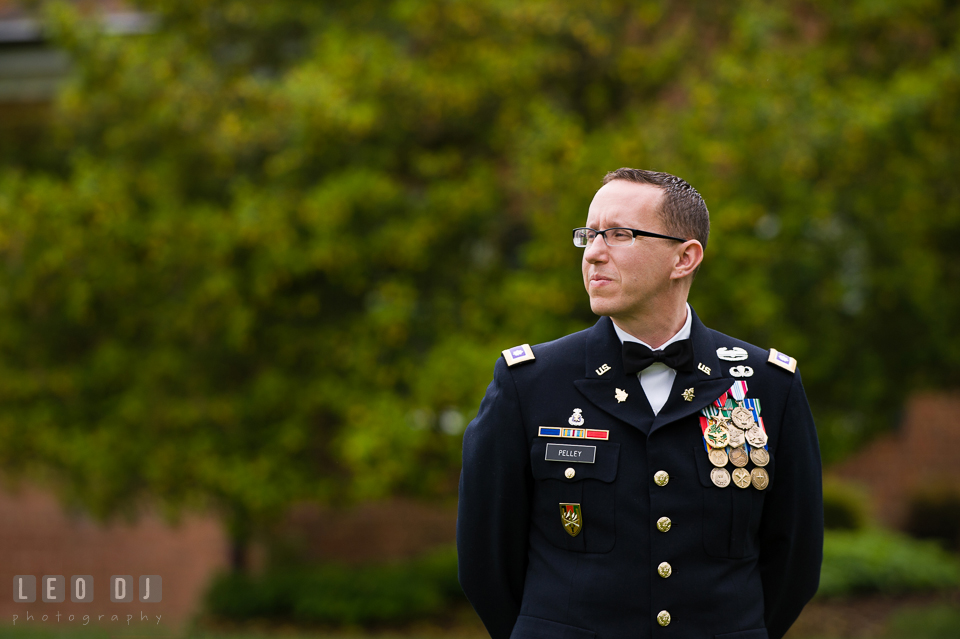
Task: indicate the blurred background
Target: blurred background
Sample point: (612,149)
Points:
(257,261)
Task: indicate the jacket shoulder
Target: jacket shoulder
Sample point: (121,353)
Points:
(548,355)
(737,352)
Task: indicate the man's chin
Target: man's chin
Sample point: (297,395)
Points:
(601,306)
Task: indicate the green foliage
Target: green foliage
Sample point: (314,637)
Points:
(273,249)
(876,561)
(341,595)
(844,506)
(934,513)
(937,622)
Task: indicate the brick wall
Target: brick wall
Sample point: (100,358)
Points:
(924,453)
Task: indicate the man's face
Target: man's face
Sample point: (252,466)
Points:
(624,282)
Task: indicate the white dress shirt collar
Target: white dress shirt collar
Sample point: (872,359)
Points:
(683,333)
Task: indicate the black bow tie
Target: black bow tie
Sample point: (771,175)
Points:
(678,356)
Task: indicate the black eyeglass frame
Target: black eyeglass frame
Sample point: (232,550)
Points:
(635,232)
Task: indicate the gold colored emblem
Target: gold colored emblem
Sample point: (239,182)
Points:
(569,473)
(663,618)
(742,418)
(603,369)
(760,478)
(741,477)
(688,394)
(661,477)
(718,457)
(756,437)
(663,524)
(737,438)
(739,457)
(664,570)
(720,477)
(716,434)
(621,395)
(759,457)
(704,368)
(572,518)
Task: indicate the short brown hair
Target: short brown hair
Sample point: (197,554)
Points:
(683,212)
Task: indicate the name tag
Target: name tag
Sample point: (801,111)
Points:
(571,453)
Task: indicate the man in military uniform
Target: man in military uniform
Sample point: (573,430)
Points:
(646,477)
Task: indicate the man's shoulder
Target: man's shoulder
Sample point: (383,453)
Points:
(565,350)
(745,359)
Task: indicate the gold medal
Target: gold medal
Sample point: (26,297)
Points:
(760,478)
(718,457)
(742,418)
(741,477)
(759,457)
(737,438)
(716,434)
(720,477)
(739,457)
(756,437)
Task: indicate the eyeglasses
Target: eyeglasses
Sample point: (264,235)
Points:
(584,237)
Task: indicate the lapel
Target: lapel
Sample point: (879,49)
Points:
(706,388)
(603,347)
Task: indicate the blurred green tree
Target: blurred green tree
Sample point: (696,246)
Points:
(279,245)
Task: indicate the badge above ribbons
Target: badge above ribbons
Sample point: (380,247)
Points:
(572,518)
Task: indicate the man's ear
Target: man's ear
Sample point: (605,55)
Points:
(689,255)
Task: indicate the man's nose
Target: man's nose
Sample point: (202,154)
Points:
(596,251)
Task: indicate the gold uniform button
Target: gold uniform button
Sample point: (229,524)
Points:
(661,477)
(665,570)
(569,473)
(663,524)
(663,618)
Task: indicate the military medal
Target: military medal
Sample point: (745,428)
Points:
(720,477)
(718,457)
(716,434)
(572,518)
(739,457)
(741,477)
(742,418)
(760,478)
(737,438)
(759,456)
(577,418)
(756,437)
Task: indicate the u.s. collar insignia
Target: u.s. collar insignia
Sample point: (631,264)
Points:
(734,354)
(783,361)
(603,369)
(572,518)
(517,354)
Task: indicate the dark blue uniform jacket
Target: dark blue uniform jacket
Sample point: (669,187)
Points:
(744,561)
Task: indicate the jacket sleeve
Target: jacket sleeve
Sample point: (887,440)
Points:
(494,508)
(791,531)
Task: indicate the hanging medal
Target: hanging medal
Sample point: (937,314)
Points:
(733,432)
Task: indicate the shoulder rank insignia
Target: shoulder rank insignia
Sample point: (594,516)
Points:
(783,361)
(517,354)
